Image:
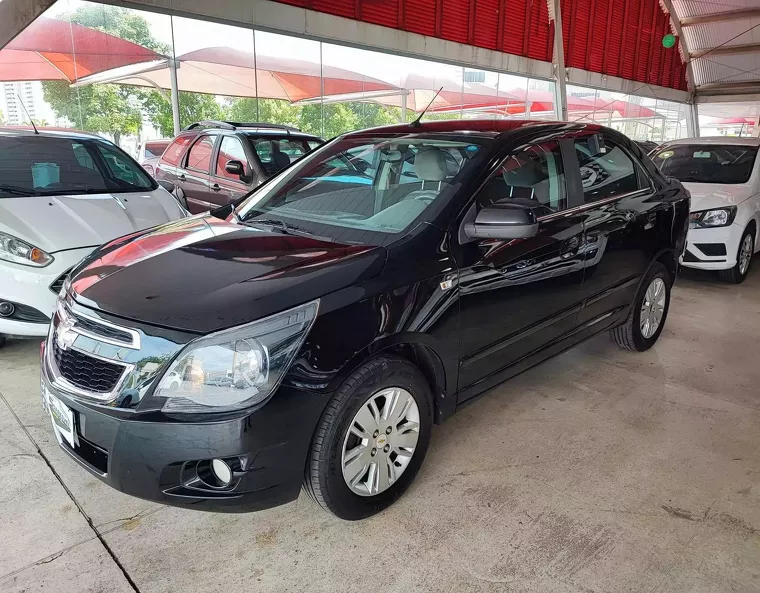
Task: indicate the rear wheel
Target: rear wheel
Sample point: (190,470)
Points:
(738,273)
(371,439)
(648,313)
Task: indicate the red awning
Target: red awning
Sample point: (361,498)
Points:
(51,49)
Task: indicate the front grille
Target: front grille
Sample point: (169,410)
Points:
(84,371)
(103,331)
(58,284)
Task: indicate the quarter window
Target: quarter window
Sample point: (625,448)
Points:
(533,176)
(606,170)
(174,152)
(200,154)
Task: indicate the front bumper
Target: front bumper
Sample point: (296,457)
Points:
(163,461)
(30,286)
(703,248)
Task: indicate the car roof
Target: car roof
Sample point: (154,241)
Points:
(49,131)
(261,132)
(491,127)
(717,140)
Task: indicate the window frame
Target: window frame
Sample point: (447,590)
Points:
(639,169)
(253,173)
(183,153)
(186,158)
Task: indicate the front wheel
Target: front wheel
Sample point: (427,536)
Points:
(738,273)
(371,439)
(648,313)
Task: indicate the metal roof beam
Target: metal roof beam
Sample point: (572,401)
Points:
(725,50)
(728,88)
(729,15)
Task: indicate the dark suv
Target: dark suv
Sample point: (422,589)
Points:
(314,332)
(212,163)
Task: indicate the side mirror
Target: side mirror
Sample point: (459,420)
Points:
(234,167)
(503,221)
(167,185)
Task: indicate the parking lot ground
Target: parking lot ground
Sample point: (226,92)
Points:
(597,471)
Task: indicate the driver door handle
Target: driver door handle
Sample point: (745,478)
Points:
(216,187)
(182,177)
(569,247)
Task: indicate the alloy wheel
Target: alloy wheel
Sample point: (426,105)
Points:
(380,441)
(745,254)
(653,307)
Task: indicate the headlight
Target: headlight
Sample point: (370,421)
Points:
(236,368)
(713,218)
(20,252)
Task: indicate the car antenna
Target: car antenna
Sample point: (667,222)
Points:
(20,100)
(416,123)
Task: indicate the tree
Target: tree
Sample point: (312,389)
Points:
(98,108)
(113,109)
(273,111)
(192,107)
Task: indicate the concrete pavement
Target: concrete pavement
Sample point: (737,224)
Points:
(598,471)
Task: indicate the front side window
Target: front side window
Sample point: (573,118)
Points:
(199,157)
(606,170)
(44,165)
(231,150)
(354,189)
(534,177)
(702,163)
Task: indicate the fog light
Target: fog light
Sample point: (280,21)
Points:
(6,309)
(221,471)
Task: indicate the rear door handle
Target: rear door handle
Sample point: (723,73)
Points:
(182,177)
(216,187)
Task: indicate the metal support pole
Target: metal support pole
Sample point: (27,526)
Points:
(756,126)
(404,115)
(560,76)
(175,94)
(692,120)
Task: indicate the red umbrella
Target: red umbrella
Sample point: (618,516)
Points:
(50,49)
(236,73)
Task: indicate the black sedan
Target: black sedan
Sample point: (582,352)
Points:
(313,333)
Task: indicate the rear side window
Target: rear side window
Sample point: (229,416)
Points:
(533,176)
(606,169)
(199,157)
(176,149)
(277,153)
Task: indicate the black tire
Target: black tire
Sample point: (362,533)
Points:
(734,275)
(628,335)
(323,477)
(2,341)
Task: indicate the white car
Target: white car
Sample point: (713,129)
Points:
(723,176)
(150,152)
(62,194)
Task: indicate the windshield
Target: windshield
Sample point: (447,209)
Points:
(365,190)
(707,163)
(46,166)
(155,149)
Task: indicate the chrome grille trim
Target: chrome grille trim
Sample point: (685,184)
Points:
(54,375)
(133,344)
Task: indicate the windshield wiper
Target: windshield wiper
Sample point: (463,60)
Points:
(286,228)
(17,190)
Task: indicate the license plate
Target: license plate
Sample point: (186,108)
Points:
(62,418)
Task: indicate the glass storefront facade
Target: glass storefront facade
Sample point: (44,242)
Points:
(239,74)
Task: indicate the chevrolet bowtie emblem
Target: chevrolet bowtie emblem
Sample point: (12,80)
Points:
(64,334)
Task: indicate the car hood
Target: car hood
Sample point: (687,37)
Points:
(203,274)
(58,223)
(706,196)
